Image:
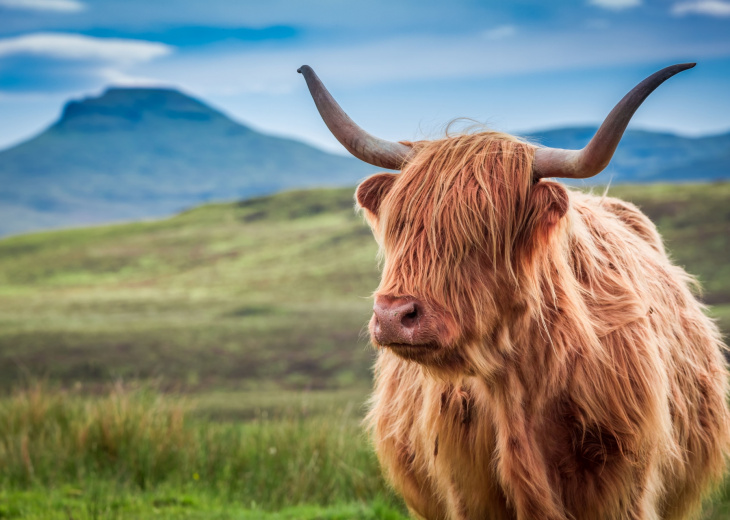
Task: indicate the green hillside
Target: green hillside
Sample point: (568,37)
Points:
(268,292)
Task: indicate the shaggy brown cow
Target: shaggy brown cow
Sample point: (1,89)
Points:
(539,357)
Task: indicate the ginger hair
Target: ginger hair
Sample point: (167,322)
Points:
(578,375)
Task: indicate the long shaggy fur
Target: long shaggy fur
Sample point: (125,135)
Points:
(578,376)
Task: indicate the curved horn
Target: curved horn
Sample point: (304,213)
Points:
(591,160)
(368,148)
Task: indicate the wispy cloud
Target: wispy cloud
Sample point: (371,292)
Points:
(615,5)
(112,76)
(78,47)
(717,8)
(499,33)
(64,6)
(57,62)
(431,59)
(198,35)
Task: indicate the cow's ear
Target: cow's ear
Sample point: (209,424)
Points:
(371,191)
(549,203)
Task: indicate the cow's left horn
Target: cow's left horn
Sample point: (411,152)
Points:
(591,160)
(368,148)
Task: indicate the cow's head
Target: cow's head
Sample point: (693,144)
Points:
(463,217)
(452,227)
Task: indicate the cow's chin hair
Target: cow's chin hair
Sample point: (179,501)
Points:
(433,356)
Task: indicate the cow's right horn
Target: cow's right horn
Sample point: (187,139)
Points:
(591,160)
(368,148)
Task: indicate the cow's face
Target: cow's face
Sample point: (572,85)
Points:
(454,229)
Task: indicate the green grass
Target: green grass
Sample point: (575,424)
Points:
(101,500)
(132,452)
(267,293)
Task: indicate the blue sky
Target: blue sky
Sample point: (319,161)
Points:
(402,69)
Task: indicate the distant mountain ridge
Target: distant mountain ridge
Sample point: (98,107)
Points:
(645,156)
(135,153)
(138,153)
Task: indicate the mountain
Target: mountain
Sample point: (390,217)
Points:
(646,156)
(137,153)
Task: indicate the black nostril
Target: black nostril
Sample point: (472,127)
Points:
(410,319)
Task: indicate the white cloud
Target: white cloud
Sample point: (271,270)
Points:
(79,47)
(65,6)
(615,5)
(717,8)
(499,33)
(112,76)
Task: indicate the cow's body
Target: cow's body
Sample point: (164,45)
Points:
(551,430)
(582,379)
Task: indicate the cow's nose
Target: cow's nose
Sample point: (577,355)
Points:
(397,320)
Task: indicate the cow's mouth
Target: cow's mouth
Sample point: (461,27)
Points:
(422,346)
(418,352)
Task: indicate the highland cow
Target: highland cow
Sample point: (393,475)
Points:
(538,355)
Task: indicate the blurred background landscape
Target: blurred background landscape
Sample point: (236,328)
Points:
(184,285)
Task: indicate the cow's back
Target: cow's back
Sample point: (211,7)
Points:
(690,349)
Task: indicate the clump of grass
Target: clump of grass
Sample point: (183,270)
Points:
(48,436)
(136,438)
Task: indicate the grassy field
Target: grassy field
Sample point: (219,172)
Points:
(245,320)
(269,291)
(266,293)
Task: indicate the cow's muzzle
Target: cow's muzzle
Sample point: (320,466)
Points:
(402,322)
